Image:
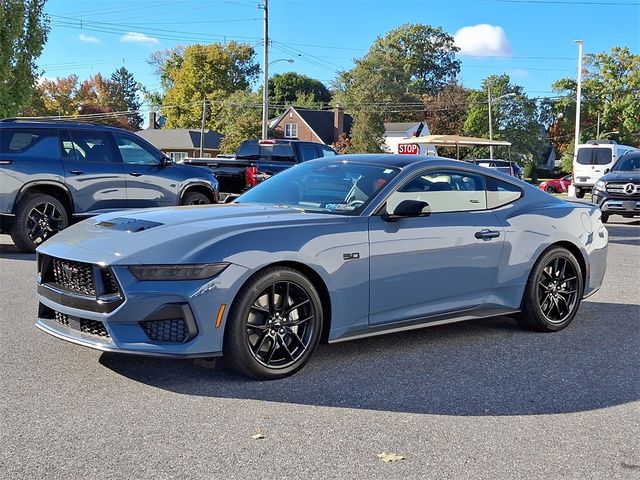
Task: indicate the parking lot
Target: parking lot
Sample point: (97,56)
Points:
(471,400)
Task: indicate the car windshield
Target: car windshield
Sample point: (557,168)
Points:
(326,186)
(628,163)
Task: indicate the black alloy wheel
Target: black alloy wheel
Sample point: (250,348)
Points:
(274,325)
(38,218)
(550,189)
(553,292)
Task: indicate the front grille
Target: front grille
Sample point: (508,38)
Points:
(170,330)
(84,325)
(619,189)
(74,276)
(93,327)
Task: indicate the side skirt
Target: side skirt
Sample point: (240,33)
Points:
(414,324)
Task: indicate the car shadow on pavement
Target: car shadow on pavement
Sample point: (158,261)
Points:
(624,233)
(487,367)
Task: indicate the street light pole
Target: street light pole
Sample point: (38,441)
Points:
(265,88)
(572,190)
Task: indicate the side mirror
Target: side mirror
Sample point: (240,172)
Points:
(607,170)
(166,161)
(408,208)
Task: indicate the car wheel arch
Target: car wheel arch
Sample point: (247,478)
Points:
(575,251)
(206,191)
(316,280)
(57,190)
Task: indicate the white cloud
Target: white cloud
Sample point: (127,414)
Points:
(139,38)
(89,39)
(482,41)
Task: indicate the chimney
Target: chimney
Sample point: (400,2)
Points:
(152,121)
(338,122)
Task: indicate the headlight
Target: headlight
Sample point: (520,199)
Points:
(600,185)
(177,272)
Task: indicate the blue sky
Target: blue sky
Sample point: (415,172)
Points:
(531,40)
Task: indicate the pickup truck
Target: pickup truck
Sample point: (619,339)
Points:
(257,160)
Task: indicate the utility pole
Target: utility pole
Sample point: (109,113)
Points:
(265,88)
(490,121)
(572,190)
(204,116)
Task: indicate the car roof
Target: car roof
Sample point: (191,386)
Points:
(54,123)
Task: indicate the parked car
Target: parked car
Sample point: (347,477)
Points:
(504,166)
(53,173)
(556,185)
(331,249)
(618,191)
(257,160)
(517,171)
(592,160)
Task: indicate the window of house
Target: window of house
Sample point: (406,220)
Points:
(178,156)
(290,130)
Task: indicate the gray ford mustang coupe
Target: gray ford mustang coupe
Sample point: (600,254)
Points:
(332,249)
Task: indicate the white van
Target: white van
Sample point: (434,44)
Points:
(591,160)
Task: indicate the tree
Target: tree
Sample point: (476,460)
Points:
(366,133)
(514,118)
(446,111)
(23,32)
(293,89)
(210,72)
(611,88)
(388,82)
(238,118)
(123,97)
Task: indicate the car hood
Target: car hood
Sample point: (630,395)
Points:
(170,235)
(621,177)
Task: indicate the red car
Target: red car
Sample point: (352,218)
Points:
(556,185)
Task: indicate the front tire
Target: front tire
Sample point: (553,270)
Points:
(579,193)
(274,325)
(38,218)
(604,217)
(553,292)
(195,198)
(550,189)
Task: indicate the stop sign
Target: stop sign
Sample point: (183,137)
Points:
(408,149)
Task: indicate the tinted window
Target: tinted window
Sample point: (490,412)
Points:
(87,146)
(277,152)
(308,151)
(627,163)
(444,191)
(501,193)
(327,152)
(594,156)
(135,152)
(37,142)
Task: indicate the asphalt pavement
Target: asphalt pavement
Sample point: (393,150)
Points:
(474,400)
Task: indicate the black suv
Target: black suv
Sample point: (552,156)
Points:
(55,172)
(618,191)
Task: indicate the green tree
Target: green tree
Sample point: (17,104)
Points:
(366,133)
(294,89)
(23,32)
(611,88)
(210,72)
(238,118)
(515,118)
(123,97)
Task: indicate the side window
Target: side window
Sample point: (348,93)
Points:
(327,152)
(308,151)
(36,142)
(444,191)
(501,193)
(87,146)
(135,152)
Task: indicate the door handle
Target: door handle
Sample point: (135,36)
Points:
(76,172)
(135,174)
(486,234)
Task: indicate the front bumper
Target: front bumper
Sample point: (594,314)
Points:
(616,205)
(153,318)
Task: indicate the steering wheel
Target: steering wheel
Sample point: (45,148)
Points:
(356,203)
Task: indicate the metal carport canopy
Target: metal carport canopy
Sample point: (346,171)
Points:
(455,140)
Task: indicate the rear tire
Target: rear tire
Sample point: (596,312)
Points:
(550,189)
(195,198)
(604,217)
(38,218)
(274,325)
(579,193)
(553,293)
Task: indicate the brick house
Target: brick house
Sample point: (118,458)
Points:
(324,126)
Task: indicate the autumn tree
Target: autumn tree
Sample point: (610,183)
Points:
(211,72)
(23,32)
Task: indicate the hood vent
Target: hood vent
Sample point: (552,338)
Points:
(132,225)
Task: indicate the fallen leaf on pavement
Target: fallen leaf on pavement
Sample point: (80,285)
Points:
(257,436)
(389,457)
